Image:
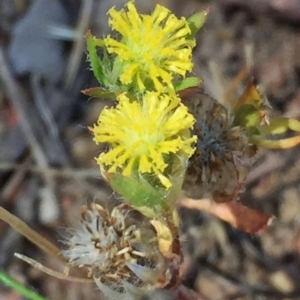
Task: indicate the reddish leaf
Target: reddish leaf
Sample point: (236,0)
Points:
(236,214)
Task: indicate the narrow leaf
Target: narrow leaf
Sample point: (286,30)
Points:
(197,20)
(188,82)
(99,93)
(95,61)
(19,287)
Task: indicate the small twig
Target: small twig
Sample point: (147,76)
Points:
(51,272)
(45,111)
(30,234)
(273,162)
(227,96)
(17,99)
(80,175)
(65,172)
(225,93)
(15,181)
(76,53)
(218,79)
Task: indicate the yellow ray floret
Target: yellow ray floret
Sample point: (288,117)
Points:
(153,47)
(142,134)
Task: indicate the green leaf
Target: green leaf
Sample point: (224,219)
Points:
(137,192)
(111,70)
(98,42)
(247,116)
(95,60)
(99,93)
(19,287)
(197,20)
(188,82)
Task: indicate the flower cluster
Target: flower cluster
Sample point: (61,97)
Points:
(164,134)
(148,131)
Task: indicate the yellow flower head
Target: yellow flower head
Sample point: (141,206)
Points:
(143,134)
(153,47)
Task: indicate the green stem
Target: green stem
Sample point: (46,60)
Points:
(19,287)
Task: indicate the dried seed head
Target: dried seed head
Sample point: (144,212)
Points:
(219,164)
(120,253)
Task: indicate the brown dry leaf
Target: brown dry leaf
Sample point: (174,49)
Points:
(253,96)
(236,214)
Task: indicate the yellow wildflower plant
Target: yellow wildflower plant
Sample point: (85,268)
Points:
(153,47)
(142,135)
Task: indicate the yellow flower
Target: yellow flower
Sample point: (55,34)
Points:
(142,135)
(153,48)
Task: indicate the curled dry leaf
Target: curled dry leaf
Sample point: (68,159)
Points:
(236,214)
